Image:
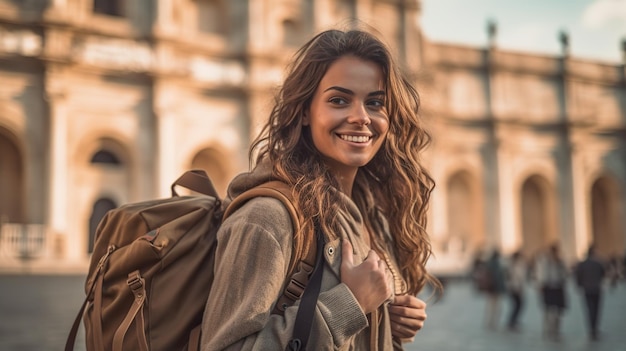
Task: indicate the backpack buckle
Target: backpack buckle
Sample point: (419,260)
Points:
(135,281)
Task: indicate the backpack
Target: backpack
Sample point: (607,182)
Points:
(152,268)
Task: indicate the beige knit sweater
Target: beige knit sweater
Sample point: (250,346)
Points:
(253,253)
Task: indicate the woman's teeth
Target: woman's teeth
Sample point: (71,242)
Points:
(355,138)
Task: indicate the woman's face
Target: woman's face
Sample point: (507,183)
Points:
(347,117)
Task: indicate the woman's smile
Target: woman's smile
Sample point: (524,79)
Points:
(355,138)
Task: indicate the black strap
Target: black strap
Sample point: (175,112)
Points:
(306,309)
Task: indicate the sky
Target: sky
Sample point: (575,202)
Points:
(596,28)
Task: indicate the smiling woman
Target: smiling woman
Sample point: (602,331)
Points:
(345,135)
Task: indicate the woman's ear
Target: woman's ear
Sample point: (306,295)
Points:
(305,119)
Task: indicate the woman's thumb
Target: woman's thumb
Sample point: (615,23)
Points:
(346,253)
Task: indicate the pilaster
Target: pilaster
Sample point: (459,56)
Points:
(56,96)
(165,109)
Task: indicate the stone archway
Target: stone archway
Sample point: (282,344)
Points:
(105,175)
(537,216)
(12,203)
(606,206)
(465,228)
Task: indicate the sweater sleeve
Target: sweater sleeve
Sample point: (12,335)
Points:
(251,261)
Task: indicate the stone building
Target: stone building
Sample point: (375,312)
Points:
(104,102)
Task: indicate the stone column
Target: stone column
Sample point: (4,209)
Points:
(505,228)
(412,41)
(363,9)
(165,109)
(56,95)
(582,235)
(163,24)
(322,9)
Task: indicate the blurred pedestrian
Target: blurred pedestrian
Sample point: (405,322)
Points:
(478,274)
(551,277)
(624,265)
(517,273)
(590,274)
(495,289)
(614,271)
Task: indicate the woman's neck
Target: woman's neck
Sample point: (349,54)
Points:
(345,178)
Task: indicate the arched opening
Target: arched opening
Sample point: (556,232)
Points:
(104,169)
(536,211)
(105,157)
(606,206)
(465,233)
(100,208)
(210,160)
(11,180)
(108,7)
(108,153)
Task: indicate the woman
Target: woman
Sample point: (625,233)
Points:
(552,275)
(345,134)
(517,273)
(495,289)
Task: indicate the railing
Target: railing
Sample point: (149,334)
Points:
(23,242)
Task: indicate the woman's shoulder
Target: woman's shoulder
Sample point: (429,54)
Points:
(267,213)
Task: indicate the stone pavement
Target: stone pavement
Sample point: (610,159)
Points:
(456,323)
(36,313)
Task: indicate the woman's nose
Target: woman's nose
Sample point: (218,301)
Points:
(359,115)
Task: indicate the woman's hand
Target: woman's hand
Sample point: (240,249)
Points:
(368,281)
(407,314)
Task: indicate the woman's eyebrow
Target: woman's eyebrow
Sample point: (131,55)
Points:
(350,92)
(376,93)
(343,90)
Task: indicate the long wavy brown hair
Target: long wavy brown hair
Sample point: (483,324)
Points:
(393,184)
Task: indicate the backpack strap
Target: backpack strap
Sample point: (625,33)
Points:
(196,180)
(305,282)
(95,288)
(300,268)
(276,189)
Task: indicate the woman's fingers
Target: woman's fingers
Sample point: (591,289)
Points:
(407,315)
(368,281)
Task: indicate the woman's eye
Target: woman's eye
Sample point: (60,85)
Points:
(376,103)
(338,101)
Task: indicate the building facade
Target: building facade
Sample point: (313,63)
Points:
(105,102)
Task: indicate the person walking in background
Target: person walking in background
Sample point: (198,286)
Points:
(478,273)
(623,269)
(614,271)
(551,276)
(590,274)
(495,289)
(517,272)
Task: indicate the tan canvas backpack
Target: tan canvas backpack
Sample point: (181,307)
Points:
(152,269)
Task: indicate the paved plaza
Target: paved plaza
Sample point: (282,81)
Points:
(36,313)
(456,323)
